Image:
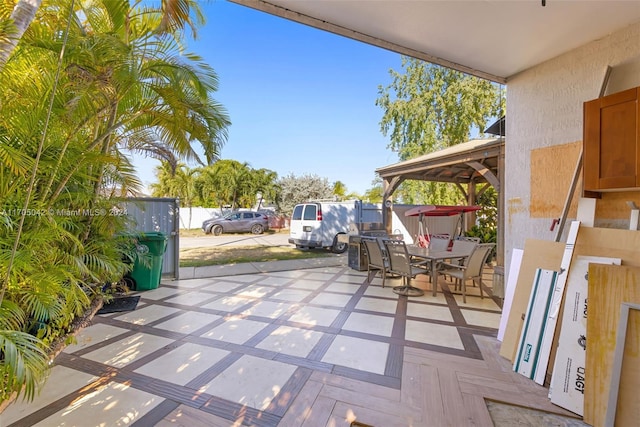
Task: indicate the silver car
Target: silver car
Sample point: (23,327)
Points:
(237,222)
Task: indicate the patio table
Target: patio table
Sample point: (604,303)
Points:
(434,257)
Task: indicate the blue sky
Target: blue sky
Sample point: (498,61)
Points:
(300,100)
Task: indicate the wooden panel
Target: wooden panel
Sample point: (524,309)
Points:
(627,408)
(607,242)
(611,137)
(551,175)
(613,205)
(618,145)
(609,286)
(537,254)
(591,143)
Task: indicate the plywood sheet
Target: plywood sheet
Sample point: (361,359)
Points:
(567,381)
(552,170)
(537,254)
(628,409)
(608,242)
(609,286)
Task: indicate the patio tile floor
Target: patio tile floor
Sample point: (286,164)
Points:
(308,347)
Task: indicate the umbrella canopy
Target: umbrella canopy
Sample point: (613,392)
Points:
(440,210)
(419,210)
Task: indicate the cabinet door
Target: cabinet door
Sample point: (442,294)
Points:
(611,135)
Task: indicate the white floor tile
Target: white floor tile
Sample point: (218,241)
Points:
(375,289)
(183,364)
(92,335)
(158,293)
(479,318)
(148,314)
(427,311)
(377,304)
(227,303)
(356,353)
(191,298)
(125,351)
(255,291)
(188,322)
(61,382)
(251,381)
(348,288)
(235,330)
(292,341)
(315,316)
(222,286)
(293,295)
(477,302)
(114,404)
(370,324)
(269,309)
(430,333)
(334,300)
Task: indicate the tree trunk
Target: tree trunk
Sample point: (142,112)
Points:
(22,15)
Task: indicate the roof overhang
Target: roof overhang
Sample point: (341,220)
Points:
(477,160)
(491,39)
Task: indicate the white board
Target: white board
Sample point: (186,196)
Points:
(567,380)
(510,290)
(537,312)
(554,309)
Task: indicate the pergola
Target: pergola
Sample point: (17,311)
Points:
(478,164)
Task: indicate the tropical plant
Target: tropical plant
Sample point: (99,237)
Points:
(88,81)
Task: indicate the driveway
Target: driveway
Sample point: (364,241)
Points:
(279,238)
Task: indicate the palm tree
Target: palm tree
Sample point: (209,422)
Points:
(339,190)
(264,185)
(175,16)
(21,17)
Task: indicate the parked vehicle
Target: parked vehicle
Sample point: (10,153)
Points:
(237,222)
(318,224)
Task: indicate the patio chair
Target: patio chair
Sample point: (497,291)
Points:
(471,269)
(462,246)
(377,261)
(439,243)
(400,264)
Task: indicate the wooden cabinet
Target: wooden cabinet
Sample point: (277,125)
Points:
(612,142)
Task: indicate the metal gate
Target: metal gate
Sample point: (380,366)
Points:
(160,215)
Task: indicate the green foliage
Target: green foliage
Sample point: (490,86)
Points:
(124,83)
(486,227)
(427,108)
(224,183)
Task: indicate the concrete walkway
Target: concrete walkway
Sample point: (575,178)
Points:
(261,267)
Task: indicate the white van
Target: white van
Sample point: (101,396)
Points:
(318,224)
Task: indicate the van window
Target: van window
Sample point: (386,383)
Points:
(310,212)
(297,212)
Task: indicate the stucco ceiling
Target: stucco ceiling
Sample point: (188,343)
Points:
(494,39)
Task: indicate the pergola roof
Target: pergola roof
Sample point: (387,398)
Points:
(478,159)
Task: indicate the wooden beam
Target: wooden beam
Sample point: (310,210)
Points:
(486,174)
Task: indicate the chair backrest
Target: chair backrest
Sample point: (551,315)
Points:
(374,252)
(439,243)
(398,257)
(463,246)
(475,262)
(469,239)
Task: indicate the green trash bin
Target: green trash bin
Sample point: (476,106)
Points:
(147,268)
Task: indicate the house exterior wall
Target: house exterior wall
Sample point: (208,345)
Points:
(544,111)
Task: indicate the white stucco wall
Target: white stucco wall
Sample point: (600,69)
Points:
(544,108)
